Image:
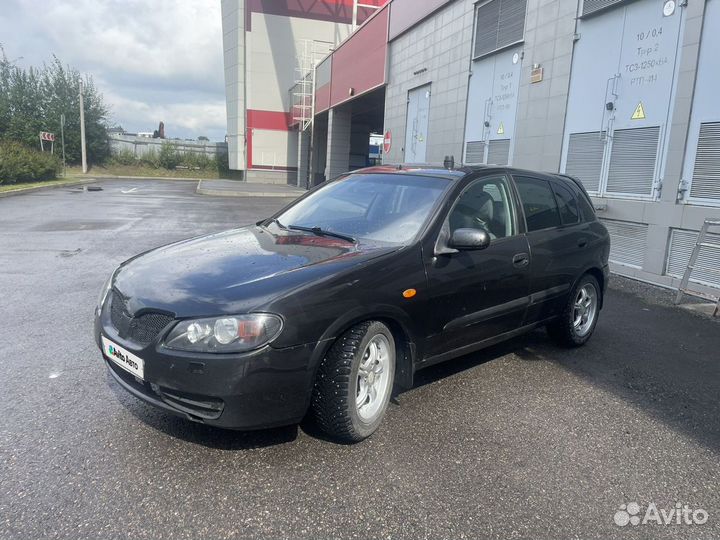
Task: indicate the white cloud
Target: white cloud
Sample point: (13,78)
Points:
(181,119)
(152,59)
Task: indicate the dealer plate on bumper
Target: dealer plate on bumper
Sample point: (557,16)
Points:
(123,358)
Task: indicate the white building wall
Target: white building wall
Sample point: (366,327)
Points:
(233,25)
(436,52)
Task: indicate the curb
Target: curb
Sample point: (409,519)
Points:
(112,177)
(237,193)
(21,190)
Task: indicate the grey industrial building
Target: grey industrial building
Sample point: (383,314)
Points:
(621,94)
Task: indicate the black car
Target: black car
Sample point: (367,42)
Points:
(330,303)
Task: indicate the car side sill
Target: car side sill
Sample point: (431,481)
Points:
(467,349)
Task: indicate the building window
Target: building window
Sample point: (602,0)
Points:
(498,23)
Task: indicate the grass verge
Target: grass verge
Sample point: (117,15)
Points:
(22,186)
(140,170)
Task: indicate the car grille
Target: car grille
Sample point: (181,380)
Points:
(142,329)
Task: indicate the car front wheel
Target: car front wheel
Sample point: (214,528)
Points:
(354,383)
(579,317)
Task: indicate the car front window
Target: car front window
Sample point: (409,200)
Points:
(383,208)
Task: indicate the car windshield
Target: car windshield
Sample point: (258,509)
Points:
(383,208)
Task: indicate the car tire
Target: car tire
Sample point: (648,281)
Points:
(354,382)
(577,321)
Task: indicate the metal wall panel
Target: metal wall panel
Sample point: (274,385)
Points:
(359,63)
(627,242)
(323,76)
(404,14)
(499,23)
(585,158)
(492,102)
(632,161)
(416,133)
(682,243)
(702,154)
(499,152)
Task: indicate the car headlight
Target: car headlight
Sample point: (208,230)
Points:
(232,334)
(105,291)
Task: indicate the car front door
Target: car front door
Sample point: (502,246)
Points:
(477,294)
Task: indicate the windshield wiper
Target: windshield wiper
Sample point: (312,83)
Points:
(322,232)
(276,222)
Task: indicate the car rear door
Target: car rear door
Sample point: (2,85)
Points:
(476,295)
(558,240)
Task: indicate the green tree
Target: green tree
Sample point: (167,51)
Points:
(32,100)
(168,157)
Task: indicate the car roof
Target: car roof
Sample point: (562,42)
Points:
(458,173)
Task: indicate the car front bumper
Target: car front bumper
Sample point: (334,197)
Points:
(263,388)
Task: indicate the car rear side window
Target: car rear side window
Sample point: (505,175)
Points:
(567,205)
(541,210)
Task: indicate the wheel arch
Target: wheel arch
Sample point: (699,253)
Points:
(598,274)
(399,323)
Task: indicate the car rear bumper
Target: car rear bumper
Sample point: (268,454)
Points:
(264,388)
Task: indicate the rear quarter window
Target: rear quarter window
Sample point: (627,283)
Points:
(567,204)
(587,211)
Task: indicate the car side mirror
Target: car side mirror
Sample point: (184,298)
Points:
(469,239)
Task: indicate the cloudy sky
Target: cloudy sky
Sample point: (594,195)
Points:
(153,60)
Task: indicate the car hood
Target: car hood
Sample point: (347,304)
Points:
(234,271)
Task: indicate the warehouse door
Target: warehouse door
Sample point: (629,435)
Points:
(621,95)
(416,130)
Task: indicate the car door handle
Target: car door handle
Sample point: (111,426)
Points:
(521,259)
(582,242)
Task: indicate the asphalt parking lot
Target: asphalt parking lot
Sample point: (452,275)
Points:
(520,441)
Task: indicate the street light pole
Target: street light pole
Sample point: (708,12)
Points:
(82,130)
(62,138)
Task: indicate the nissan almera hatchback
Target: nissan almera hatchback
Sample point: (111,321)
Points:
(341,296)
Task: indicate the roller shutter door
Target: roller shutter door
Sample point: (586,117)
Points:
(682,243)
(632,161)
(475,152)
(627,242)
(499,151)
(706,173)
(585,158)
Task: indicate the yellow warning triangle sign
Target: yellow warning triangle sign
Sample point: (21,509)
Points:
(639,113)
(501,129)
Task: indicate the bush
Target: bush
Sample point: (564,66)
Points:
(168,157)
(19,163)
(150,158)
(124,157)
(222,163)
